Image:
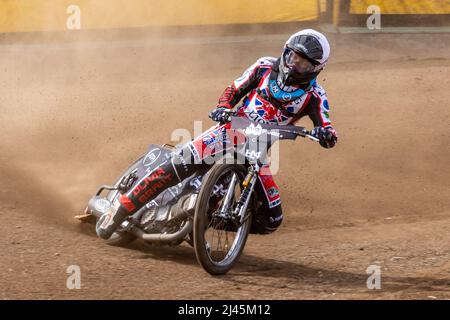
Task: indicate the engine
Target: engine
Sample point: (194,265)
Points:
(171,208)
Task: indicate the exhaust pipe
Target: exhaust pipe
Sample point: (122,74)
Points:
(163,238)
(166,238)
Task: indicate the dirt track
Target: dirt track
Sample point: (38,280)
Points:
(73,115)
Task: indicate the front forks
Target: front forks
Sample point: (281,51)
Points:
(228,197)
(238,215)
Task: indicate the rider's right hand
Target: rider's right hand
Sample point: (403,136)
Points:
(219,114)
(327,136)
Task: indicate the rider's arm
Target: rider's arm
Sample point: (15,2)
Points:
(317,108)
(318,111)
(244,84)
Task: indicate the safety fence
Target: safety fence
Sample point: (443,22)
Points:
(51,15)
(57,15)
(394,13)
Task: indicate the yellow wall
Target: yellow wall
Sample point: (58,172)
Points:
(44,15)
(402,6)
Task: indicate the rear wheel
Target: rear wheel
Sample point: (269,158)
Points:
(218,241)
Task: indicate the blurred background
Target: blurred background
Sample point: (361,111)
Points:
(49,15)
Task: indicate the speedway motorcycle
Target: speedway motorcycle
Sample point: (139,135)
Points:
(211,210)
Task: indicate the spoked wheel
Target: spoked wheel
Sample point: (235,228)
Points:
(219,238)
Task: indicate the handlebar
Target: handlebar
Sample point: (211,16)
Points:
(291,129)
(310,136)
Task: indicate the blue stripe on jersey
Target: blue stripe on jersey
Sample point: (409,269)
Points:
(281,95)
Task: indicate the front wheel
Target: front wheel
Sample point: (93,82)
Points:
(218,239)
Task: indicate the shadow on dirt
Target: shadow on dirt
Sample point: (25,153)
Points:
(253,266)
(183,254)
(250,269)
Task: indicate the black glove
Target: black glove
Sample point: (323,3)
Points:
(220,114)
(327,136)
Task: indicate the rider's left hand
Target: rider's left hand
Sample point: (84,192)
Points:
(327,136)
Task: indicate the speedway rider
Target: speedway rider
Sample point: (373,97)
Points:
(275,90)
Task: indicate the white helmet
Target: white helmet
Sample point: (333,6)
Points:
(305,54)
